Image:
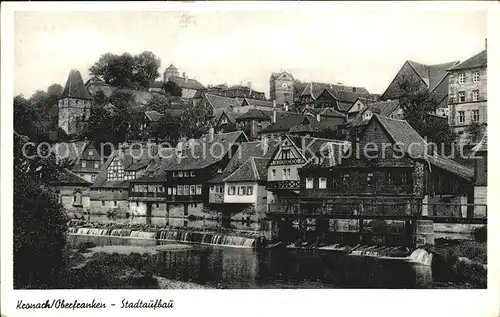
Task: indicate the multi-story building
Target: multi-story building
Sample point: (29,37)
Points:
(468,97)
(283,181)
(281,87)
(74,105)
(172,82)
(240,190)
(386,179)
(85,160)
(336,96)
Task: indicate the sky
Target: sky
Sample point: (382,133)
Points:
(353,47)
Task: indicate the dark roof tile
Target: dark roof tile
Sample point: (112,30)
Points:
(74,87)
(478,60)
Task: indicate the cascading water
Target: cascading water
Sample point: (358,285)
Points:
(421,256)
(170,235)
(207,238)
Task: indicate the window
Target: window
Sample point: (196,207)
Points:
(198,189)
(84,163)
(249,190)
(322,182)
(452,98)
(115,170)
(475,77)
(475,115)
(180,190)
(77,199)
(169,191)
(404,178)
(157,205)
(220,189)
(174,191)
(461,116)
(92,177)
(193,189)
(137,204)
(388,178)
(212,188)
(121,190)
(174,174)
(461,96)
(242,191)
(285,154)
(186,174)
(309,183)
(219,170)
(461,78)
(274,172)
(231,190)
(192,173)
(179,174)
(96,164)
(116,203)
(91,152)
(186,189)
(102,203)
(475,95)
(369,179)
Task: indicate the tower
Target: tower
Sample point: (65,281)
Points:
(281,87)
(171,71)
(74,104)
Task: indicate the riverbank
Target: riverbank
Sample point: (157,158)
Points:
(118,267)
(467,260)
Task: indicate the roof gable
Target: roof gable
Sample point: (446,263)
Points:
(74,87)
(476,61)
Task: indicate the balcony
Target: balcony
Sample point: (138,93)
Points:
(283,184)
(290,161)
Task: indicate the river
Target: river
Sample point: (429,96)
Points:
(243,268)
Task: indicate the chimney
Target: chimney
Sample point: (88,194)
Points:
(486,43)
(318,117)
(185,77)
(211,133)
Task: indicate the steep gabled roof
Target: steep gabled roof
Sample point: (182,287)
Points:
(432,75)
(478,60)
(315,89)
(68,178)
(251,171)
(74,87)
(218,113)
(70,150)
(258,149)
(221,102)
(254,114)
(401,132)
(201,153)
(187,83)
(261,103)
(284,121)
(451,166)
(275,75)
(382,108)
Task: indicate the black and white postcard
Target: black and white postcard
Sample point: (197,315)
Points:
(249,158)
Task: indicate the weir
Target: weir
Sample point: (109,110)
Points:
(170,235)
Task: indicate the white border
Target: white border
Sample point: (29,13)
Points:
(258,302)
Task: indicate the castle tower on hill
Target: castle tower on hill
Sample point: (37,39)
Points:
(74,104)
(171,71)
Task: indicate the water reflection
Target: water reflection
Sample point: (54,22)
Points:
(176,222)
(277,268)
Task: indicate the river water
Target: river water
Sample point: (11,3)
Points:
(240,268)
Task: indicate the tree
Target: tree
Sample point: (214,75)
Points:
(157,103)
(475,130)
(39,220)
(416,104)
(127,70)
(196,120)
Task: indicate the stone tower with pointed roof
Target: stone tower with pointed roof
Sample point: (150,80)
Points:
(74,104)
(171,71)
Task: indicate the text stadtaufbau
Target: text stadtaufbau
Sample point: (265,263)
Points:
(63,304)
(151,304)
(60,304)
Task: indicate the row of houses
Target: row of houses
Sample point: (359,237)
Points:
(226,174)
